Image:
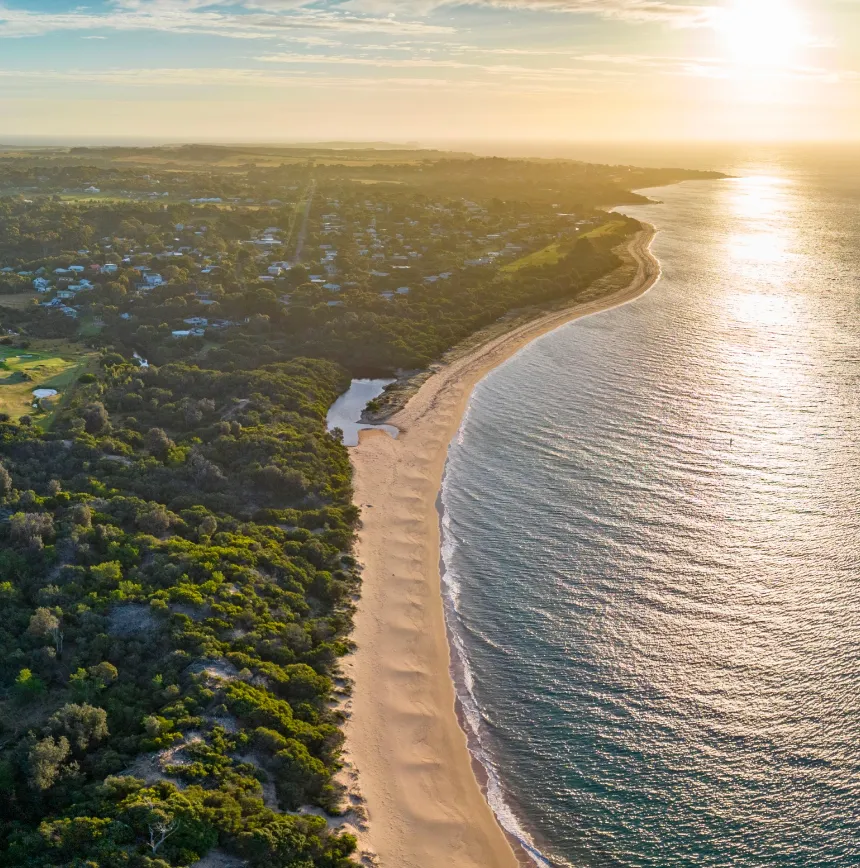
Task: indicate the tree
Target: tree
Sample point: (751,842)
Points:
(208,526)
(107,574)
(155,520)
(30,528)
(82,515)
(45,623)
(85,684)
(299,775)
(71,838)
(206,474)
(158,443)
(28,686)
(104,673)
(44,760)
(160,827)
(5,482)
(84,725)
(95,418)
(290,482)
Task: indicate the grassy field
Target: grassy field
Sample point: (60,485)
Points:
(90,326)
(605,229)
(549,255)
(17,300)
(46,364)
(553,253)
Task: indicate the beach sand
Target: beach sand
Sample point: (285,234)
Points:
(424,804)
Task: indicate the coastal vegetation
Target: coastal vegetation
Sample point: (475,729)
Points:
(176,567)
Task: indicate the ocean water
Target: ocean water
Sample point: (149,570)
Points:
(652,545)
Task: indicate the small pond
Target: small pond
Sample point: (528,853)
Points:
(346,411)
(44,393)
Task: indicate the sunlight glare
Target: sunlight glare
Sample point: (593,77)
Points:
(763,33)
(760,309)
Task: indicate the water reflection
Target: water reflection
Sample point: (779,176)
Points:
(761,310)
(346,411)
(654,543)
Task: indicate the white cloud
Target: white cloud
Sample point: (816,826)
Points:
(679,14)
(360,60)
(321,41)
(583,68)
(263,19)
(220,78)
(199,17)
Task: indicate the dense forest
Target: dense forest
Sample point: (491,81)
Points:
(174,604)
(176,574)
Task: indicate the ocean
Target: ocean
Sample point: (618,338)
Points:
(651,544)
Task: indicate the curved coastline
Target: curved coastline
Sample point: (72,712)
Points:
(423,790)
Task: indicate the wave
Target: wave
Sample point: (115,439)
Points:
(471,716)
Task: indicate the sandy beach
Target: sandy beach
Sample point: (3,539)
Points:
(424,803)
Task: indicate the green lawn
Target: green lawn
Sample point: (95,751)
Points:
(47,364)
(553,253)
(605,229)
(550,255)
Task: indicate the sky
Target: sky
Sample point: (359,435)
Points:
(430,70)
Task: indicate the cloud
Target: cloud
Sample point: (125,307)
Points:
(219,78)
(320,41)
(264,19)
(201,17)
(592,69)
(678,14)
(352,60)
(580,68)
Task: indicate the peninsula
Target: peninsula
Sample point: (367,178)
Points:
(179,571)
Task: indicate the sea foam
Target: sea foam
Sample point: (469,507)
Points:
(471,716)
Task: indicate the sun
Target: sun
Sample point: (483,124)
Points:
(763,33)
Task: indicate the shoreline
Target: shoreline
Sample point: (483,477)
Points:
(404,740)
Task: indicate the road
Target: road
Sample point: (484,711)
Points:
(303,232)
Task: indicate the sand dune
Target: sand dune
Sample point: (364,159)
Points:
(425,806)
